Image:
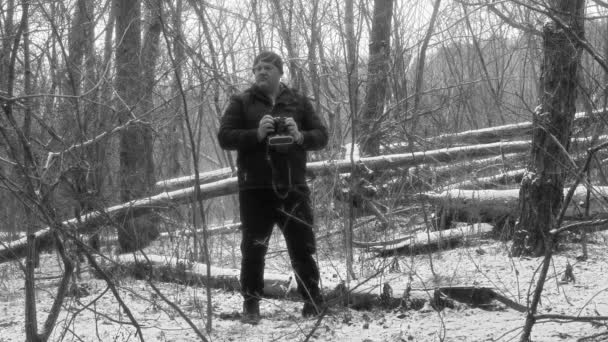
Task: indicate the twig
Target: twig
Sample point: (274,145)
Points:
(112,287)
(592,337)
(7,161)
(571,318)
(179,311)
(581,41)
(317,324)
(579,177)
(508,19)
(579,225)
(53,155)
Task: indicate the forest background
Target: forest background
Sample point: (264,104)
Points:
(477,66)
(105,101)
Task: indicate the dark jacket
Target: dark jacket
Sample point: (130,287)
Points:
(238,131)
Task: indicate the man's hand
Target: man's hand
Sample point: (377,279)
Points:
(265,127)
(292,127)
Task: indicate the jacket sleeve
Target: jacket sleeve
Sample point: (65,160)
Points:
(313,128)
(233,133)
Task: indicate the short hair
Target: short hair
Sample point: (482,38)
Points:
(269,57)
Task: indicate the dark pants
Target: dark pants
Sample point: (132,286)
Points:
(260,210)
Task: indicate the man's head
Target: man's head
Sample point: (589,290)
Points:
(269,57)
(267,69)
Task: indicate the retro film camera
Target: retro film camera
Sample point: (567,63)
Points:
(280,136)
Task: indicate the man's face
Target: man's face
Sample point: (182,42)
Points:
(267,76)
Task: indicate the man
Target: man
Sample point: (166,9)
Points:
(272,184)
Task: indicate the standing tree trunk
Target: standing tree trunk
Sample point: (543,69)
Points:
(377,76)
(174,149)
(136,164)
(419,82)
(286,34)
(541,193)
(7,40)
(150,53)
(11,209)
(353,100)
(313,63)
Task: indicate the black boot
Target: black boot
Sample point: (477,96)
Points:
(251,312)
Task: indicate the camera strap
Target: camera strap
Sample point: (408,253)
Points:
(275,176)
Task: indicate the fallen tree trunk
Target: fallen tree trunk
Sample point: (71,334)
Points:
(365,295)
(276,285)
(504,179)
(491,134)
(204,177)
(503,152)
(515,176)
(451,171)
(425,241)
(493,206)
(16,249)
(228,228)
(383,162)
(428,177)
(112,215)
(499,206)
(183,271)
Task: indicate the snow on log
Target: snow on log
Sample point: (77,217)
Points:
(497,205)
(204,177)
(16,249)
(385,161)
(490,134)
(416,158)
(424,241)
(512,176)
(165,200)
(227,228)
(504,150)
(430,176)
(503,179)
(183,271)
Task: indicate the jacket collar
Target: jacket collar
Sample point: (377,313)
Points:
(285,93)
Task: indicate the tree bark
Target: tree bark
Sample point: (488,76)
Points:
(5,52)
(383,162)
(541,192)
(377,77)
(463,205)
(171,147)
(494,206)
(489,134)
(120,213)
(423,241)
(136,163)
(149,53)
(419,81)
